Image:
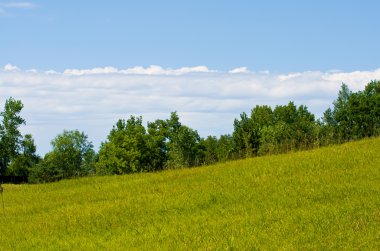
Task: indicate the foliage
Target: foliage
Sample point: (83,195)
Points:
(17,153)
(24,162)
(210,150)
(244,136)
(225,148)
(288,127)
(285,128)
(184,149)
(72,156)
(164,144)
(156,145)
(341,114)
(355,115)
(125,151)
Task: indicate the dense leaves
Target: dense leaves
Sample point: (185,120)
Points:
(26,160)
(17,152)
(355,115)
(72,156)
(125,150)
(272,131)
(164,144)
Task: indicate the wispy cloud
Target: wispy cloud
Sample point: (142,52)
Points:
(139,70)
(6,8)
(9,67)
(239,70)
(17,5)
(93,99)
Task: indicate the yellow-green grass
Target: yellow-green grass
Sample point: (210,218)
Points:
(327,198)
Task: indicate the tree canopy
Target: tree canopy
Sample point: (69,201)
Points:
(12,142)
(72,156)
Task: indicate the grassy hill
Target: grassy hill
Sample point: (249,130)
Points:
(327,198)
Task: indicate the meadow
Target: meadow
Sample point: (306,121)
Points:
(323,199)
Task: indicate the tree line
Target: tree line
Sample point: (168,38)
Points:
(165,144)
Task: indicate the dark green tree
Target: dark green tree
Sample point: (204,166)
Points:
(364,111)
(355,114)
(341,115)
(184,149)
(244,136)
(292,128)
(26,160)
(226,148)
(10,136)
(210,146)
(126,150)
(261,116)
(156,145)
(72,156)
(372,94)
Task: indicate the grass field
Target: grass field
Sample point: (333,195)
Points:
(327,198)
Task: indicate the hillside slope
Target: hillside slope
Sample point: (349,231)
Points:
(327,198)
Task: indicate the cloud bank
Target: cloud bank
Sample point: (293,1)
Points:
(139,70)
(93,100)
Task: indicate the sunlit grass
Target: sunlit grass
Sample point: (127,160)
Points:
(327,198)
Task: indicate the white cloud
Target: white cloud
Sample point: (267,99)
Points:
(105,70)
(32,71)
(158,70)
(355,78)
(139,70)
(93,100)
(239,70)
(289,76)
(9,67)
(51,72)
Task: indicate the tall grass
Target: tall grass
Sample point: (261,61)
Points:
(327,198)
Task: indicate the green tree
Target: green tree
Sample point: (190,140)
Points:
(72,156)
(210,146)
(126,150)
(10,136)
(226,148)
(355,114)
(156,145)
(183,144)
(184,149)
(341,115)
(24,162)
(275,138)
(244,136)
(364,110)
(372,94)
(164,144)
(173,126)
(261,116)
(292,128)
(304,128)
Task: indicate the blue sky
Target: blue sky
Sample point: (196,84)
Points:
(85,64)
(280,36)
